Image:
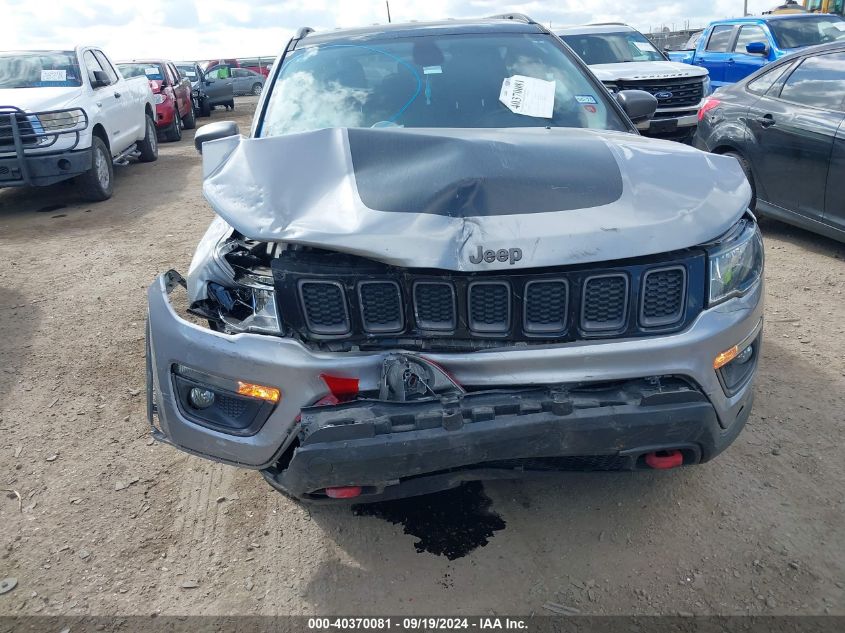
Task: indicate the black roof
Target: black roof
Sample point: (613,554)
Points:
(420,29)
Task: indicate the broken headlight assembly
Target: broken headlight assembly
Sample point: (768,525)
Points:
(248,302)
(736,263)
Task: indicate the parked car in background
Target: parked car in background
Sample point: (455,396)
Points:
(219,82)
(247,82)
(449,256)
(69,114)
(171,92)
(206,92)
(733,49)
(786,126)
(624,59)
(260,65)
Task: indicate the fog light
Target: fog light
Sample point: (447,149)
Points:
(201,398)
(745,355)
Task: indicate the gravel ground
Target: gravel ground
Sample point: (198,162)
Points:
(110,523)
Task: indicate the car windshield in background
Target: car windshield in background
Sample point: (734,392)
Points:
(43,69)
(462,81)
(188,71)
(613,48)
(153,72)
(808,31)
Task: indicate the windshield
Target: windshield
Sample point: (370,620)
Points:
(613,48)
(188,70)
(43,69)
(463,81)
(153,72)
(808,31)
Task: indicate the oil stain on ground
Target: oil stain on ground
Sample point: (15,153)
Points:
(450,524)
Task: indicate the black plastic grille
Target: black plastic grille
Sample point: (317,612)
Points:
(663,297)
(683,92)
(343,302)
(490,307)
(605,303)
(435,305)
(325,307)
(381,306)
(546,304)
(232,407)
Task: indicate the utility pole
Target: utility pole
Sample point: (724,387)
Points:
(745,9)
(387,3)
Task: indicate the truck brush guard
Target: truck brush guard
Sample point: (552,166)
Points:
(21,131)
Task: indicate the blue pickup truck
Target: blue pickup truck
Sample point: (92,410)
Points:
(733,49)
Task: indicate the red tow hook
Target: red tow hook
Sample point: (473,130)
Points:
(345,492)
(664,460)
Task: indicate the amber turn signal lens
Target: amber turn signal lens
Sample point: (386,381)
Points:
(725,357)
(270,394)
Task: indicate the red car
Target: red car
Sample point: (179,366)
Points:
(171,93)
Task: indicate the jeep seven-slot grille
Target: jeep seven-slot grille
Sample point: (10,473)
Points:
(663,296)
(360,302)
(670,93)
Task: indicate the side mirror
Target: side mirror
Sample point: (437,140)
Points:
(757,48)
(100,79)
(214,131)
(639,105)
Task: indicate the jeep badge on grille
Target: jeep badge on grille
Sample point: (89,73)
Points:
(512,255)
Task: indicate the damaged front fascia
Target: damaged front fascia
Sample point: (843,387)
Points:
(304,189)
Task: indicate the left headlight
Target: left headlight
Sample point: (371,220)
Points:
(159,98)
(246,308)
(708,86)
(736,264)
(63,121)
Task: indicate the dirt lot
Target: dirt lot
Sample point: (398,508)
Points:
(110,523)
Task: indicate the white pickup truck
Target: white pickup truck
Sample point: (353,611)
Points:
(69,114)
(624,59)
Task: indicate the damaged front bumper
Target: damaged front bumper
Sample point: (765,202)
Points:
(602,404)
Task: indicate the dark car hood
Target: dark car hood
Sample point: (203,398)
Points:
(431,198)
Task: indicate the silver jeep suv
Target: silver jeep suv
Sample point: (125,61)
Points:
(444,253)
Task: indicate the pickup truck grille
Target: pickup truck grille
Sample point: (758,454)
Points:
(670,93)
(341,301)
(28,136)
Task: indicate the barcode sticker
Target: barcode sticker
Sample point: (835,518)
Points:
(529,96)
(53,75)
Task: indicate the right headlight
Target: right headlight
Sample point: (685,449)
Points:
(736,264)
(158,98)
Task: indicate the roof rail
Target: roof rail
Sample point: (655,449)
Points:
(303,32)
(519,17)
(607,24)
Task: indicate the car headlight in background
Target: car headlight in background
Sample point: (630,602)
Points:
(159,98)
(737,264)
(708,86)
(63,121)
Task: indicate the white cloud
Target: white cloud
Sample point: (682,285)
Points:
(184,29)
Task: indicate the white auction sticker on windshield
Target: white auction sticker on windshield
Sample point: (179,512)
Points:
(839,25)
(644,47)
(151,72)
(53,75)
(529,96)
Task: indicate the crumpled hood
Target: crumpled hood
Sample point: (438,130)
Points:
(436,198)
(636,71)
(40,99)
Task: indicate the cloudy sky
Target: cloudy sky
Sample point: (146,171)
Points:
(184,29)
